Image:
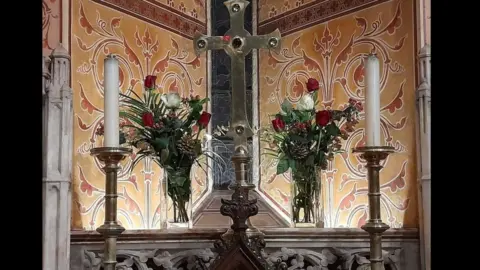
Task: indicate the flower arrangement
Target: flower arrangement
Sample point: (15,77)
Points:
(168,129)
(303,140)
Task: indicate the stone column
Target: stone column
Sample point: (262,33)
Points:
(57,160)
(423,153)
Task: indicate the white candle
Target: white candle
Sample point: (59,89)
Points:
(111,101)
(372,101)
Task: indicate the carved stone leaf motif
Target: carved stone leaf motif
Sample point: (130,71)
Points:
(202,259)
(357,257)
(303,259)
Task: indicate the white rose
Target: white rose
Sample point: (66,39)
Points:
(171,100)
(306,103)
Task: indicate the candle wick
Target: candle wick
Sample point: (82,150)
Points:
(111,55)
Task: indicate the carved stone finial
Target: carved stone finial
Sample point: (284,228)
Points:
(60,52)
(240,208)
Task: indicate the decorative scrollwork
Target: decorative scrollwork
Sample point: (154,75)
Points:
(145,50)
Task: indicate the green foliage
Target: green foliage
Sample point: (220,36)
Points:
(171,142)
(303,142)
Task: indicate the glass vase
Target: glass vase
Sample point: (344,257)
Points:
(307,201)
(178,198)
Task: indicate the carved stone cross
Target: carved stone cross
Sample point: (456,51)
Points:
(237,43)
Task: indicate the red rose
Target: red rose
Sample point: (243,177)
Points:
(204,119)
(322,118)
(312,85)
(150,81)
(147,119)
(278,124)
(359,106)
(226,38)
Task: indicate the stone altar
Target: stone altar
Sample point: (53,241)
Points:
(312,249)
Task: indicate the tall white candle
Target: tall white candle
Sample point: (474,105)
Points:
(111,101)
(372,101)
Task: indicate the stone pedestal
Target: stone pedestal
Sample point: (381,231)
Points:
(57,159)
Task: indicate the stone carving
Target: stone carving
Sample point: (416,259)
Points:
(303,259)
(356,259)
(423,153)
(202,259)
(57,159)
(153,260)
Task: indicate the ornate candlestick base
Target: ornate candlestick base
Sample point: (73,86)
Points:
(240,208)
(374,226)
(111,157)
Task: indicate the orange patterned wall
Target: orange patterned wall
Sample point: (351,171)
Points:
(332,51)
(51,22)
(274,8)
(144,45)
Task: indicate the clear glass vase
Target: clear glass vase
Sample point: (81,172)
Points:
(307,201)
(178,198)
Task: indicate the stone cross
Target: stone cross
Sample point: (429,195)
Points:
(237,43)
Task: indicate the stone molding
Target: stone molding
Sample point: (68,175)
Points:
(199,259)
(423,122)
(57,113)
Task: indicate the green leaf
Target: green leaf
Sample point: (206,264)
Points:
(315,98)
(282,166)
(320,157)
(304,116)
(310,160)
(160,143)
(178,180)
(132,117)
(332,129)
(164,155)
(286,106)
(293,165)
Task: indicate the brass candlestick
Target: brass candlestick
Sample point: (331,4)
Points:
(240,207)
(374,226)
(110,156)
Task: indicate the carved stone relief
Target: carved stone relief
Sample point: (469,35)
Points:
(285,258)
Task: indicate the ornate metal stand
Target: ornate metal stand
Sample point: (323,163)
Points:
(110,229)
(241,246)
(374,226)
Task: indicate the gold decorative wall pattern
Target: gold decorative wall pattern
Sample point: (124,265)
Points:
(142,49)
(269,9)
(51,15)
(332,52)
(194,9)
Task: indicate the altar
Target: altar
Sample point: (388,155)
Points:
(247,69)
(345,249)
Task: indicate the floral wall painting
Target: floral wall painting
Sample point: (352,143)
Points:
(51,22)
(326,40)
(142,49)
(332,50)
